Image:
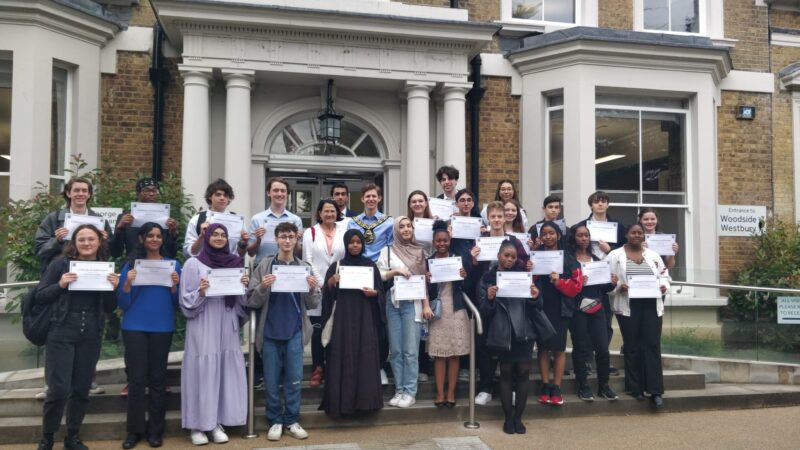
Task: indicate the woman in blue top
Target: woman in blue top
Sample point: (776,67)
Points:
(147,327)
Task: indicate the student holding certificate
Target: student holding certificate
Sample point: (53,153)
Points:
(418,208)
(218,195)
(648,217)
(513,217)
(463,247)
(126,235)
(506,191)
(598,202)
(76,332)
(404,258)
(213,381)
(352,376)
(551,209)
(510,333)
(639,314)
(588,324)
(558,293)
(147,326)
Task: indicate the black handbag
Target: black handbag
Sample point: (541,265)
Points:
(36,319)
(544,329)
(436,307)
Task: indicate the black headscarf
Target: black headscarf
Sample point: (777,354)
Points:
(354,260)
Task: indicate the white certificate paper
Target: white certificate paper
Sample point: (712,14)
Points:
(149,212)
(269,235)
(423,229)
(466,227)
(73,221)
(92,275)
(546,262)
(290,278)
(602,231)
(660,243)
(150,272)
(233,222)
(411,288)
(356,277)
(599,272)
(489,247)
(514,284)
(225,282)
(522,237)
(445,269)
(643,286)
(441,208)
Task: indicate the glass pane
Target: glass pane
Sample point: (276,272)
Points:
(527,9)
(684,15)
(5,131)
(555,100)
(617,150)
(556,169)
(58,122)
(302,138)
(635,100)
(656,15)
(623,196)
(664,198)
(663,160)
(302,202)
(560,11)
(367,148)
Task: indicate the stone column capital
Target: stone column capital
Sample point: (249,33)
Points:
(236,78)
(196,76)
(419,89)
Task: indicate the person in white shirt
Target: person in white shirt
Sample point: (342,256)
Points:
(218,196)
(262,225)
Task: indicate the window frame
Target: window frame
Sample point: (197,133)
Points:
(68,123)
(506,16)
(547,178)
(702,18)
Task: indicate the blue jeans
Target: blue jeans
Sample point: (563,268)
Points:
(283,364)
(404,346)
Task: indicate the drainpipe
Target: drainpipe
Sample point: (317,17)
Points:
(475,95)
(158,77)
(454,3)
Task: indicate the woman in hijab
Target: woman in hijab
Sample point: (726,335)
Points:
(213,383)
(404,258)
(352,380)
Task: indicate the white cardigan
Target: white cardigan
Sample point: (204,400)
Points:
(315,252)
(386,263)
(620,303)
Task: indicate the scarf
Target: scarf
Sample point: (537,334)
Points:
(354,260)
(219,258)
(411,252)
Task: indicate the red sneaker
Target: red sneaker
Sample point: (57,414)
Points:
(316,378)
(555,395)
(124,391)
(544,396)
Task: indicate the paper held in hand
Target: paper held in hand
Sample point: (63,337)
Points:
(411,288)
(441,208)
(514,284)
(546,262)
(598,272)
(233,222)
(225,282)
(522,237)
(290,278)
(489,247)
(643,286)
(73,221)
(465,227)
(356,277)
(150,272)
(150,212)
(602,231)
(445,269)
(660,243)
(92,275)
(423,229)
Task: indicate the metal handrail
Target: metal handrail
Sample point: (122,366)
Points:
(476,325)
(251,362)
(735,287)
(18,284)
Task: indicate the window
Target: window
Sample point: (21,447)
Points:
(672,15)
(555,133)
(59,128)
(302,138)
(544,10)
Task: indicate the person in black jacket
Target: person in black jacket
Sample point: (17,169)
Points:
(511,333)
(126,236)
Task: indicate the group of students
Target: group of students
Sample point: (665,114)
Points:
(352,332)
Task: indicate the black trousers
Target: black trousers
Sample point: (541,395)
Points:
(609,315)
(71,353)
(486,361)
(589,334)
(641,335)
(146,355)
(317,350)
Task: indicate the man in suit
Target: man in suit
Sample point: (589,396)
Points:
(341,195)
(448,180)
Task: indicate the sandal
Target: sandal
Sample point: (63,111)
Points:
(450,405)
(439,404)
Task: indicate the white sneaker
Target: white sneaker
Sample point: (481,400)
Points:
(384,378)
(275,432)
(199,438)
(296,431)
(218,435)
(395,400)
(41,395)
(423,377)
(463,375)
(406,401)
(513,398)
(96,390)
(483,398)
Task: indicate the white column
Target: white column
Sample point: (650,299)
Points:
(579,141)
(195,153)
(455,139)
(418,174)
(237,136)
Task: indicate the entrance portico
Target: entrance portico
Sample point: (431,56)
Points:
(251,68)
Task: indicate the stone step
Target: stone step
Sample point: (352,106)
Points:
(111,426)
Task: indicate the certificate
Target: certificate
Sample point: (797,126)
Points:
(560,222)
(466,227)
(73,221)
(92,275)
(150,272)
(411,288)
(660,243)
(445,269)
(423,229)
(441,208)
(225,282)
(489,247)
(356,277)
(643,286)
(522,237)
(598,272)
(149,212)
(291,278)
(269,235)
(514,284)
(602,231)
(546,262)
(233,222)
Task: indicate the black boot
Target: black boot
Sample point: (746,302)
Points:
(73,441)
(508,425)
(519,427)
(46,443)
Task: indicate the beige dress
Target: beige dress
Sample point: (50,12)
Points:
(449,336)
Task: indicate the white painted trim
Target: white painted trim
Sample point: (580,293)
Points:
(496,65)
(585,15)
(785,39)
(134,39)
(796,151)
(744,81)
(710,20)
(367,7)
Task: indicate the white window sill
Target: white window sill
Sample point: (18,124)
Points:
(519,27)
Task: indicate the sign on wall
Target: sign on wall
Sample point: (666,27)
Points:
(110,214)
(789,310)
(740,220)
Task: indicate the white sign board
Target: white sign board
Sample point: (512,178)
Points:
(740,220)
(110,214)
(789,310)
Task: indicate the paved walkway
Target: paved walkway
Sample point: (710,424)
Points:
(773,428)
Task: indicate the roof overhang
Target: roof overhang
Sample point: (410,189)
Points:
(789,77)
(58,16)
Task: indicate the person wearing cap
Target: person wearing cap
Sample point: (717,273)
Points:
(126,236)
